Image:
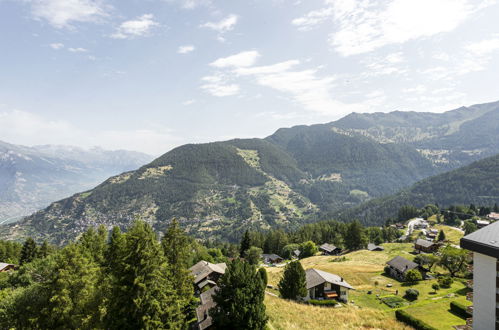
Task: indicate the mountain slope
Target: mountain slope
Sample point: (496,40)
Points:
(33,177)
(476,183)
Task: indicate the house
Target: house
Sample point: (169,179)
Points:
(4,267)
(484,243)
(398,267)
(423,245)
(324,285)
(493,216)
(272,259)
(482,223)
(374,247)
(420,223)
(202,311)
(329,249)
(207,274)
(296,254)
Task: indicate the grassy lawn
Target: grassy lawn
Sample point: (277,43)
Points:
(362,270)
(452,234)
(284,314)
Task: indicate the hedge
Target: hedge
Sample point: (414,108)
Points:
(408,319)
(459,310)
(322,302)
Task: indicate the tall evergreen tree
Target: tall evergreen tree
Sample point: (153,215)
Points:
(355,237)
(239,299)
(142,295)
(245,244)
(28,252)
(441,236)
(293,283)
(43,250)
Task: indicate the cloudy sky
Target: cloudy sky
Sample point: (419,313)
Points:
(150,75)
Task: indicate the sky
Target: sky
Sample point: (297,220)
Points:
(150,75)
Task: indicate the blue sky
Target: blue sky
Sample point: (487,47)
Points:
(150,75)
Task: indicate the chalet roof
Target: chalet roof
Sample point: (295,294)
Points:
(316,277)
(204,268)
(402,264)
(372,247)
(207,296)
(271,256)
(484,241)
(4,265)
(204,320)
(424,242)
(328,247)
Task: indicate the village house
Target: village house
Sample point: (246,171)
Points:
(296,254)
(493,216)
(399,266)
(272,259)
(4,267)
(203,317)
(423,245)
(206,274)
(482,223)
(324,285)
(374,247)
(420,223)
(329,249)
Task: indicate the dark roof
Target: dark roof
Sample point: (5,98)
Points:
(204,320)
(328,247)
(400,264)
(372,247)
(316,277)
(204,268)
(207,296)
(271,257)
(484,241)
(424,242)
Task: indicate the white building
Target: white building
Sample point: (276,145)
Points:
(485,246)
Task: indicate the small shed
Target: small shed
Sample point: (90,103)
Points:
(329,249)
(374,247)
(423,245)
(272,258)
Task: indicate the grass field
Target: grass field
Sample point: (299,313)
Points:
(364,271)
(452,234)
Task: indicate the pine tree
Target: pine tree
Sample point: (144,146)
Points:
(263,276)
(355,238)
(44,250)
(142,295)
(239,299)
(176,248)
(28,252)
(293,283)
(94,243)
(245,244)
(441,236)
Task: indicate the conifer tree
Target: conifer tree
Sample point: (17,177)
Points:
(239,299)
(28,251)
(293,283)
(44,250)
(355,237)
(263,276)
(245,244)
(441,236)
(142,295)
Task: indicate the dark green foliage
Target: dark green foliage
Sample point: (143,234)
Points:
(407,212)
(441,236)
(445,282)
(327,303)
(435,287)
(263,276)
(459,310)
(393,301)
(253,255)
(410,320)
(411,294)
(453,259)
(287,252)
(469,227)
(10,252)
(355,238)
(245,244)
(426,260)
(239,301)
(413,276)
(308,249)
(293,283)
(28,251)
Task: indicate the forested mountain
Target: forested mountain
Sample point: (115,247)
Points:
(33,177)
(298,174)
(476,183)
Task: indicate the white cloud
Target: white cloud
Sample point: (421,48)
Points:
(242,59)
(191,4)
(77,50)
(62,13)
(189,102)
(225,25)
(57,46)
(139,27)
(484,47)
(186,49)
(219,85)
(26,128)
(364,26)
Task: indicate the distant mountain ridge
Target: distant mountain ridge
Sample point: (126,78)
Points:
(33,177)
(296,175)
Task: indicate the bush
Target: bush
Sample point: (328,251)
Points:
(408,319)
(435,287)
(411,294)
(413,276)
(459,310)
(340,259)
(445,282)
(329,303)
(387,270)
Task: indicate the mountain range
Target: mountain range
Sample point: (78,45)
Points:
(33,177)
(298,174)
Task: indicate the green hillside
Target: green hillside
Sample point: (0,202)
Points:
(476,183)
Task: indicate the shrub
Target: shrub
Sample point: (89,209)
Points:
(329,303)
(339,259)
(445,282)
(411,294)
(413,276)
(435,287)
(387,270)
(408,319)
(459,310)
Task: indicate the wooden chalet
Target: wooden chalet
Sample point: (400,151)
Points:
(329,249)
(423,245)
(323,285)
(399,266)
